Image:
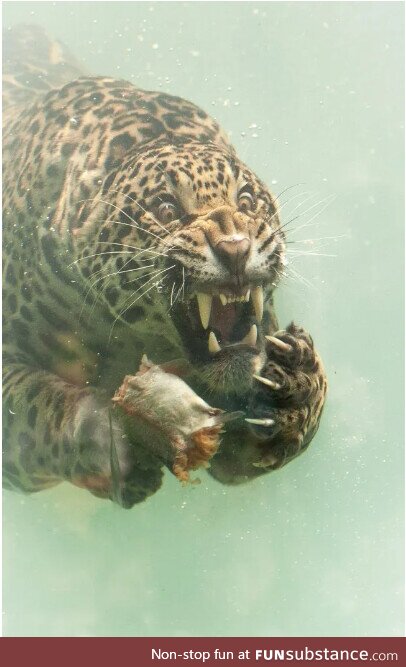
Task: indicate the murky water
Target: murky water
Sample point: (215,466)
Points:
(312,96)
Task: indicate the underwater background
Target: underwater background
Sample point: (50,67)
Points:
(312,96)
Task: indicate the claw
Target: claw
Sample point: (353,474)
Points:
(225,417)
(261,422)
(267,461)
(269,383)
(285,347)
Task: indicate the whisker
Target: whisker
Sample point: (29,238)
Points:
(309,196)
(134,226)
(321,238)
(115,252)
(135,223)
(178,292)
(290,187)
(119,272)
(182,285)
(133,247)
(121,313)
(183,281)
(127,224)
(130,251)
(148,281)
(90,289)
(288,286)
(300,253)
(99,291)
(150,273)
(327,200)
(142,209)
(298,194)
(131,304)
(98,254)
(114,272)
(102,269)
(173,287)
(296,275)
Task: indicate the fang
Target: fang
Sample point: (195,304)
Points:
(204,303)
(251,337)
(258,301)
(214,346)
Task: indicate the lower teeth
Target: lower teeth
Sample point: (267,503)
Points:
(213,343)
(250,339)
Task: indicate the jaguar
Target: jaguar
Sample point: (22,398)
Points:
(140,259)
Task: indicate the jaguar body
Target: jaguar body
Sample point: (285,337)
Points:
(132,228)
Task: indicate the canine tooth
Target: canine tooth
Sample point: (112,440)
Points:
(213,343)
(269,383)
(223,299)
(251,337)
(247,296)
(204,303)
(260,422)
(258,301)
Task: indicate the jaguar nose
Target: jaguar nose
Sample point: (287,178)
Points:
(233,251)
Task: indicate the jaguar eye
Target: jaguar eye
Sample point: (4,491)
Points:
(246,202)
(167,212)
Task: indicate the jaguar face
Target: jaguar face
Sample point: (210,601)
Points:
(216,232)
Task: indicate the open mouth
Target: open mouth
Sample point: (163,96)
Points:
(222,321)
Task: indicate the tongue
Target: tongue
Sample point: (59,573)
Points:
(223,318)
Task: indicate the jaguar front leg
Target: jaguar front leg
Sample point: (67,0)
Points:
(283,411)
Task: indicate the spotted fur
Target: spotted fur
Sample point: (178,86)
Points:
(95,277)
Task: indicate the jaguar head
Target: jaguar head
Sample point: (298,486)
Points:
(212,231)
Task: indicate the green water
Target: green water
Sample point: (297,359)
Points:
(312,94)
